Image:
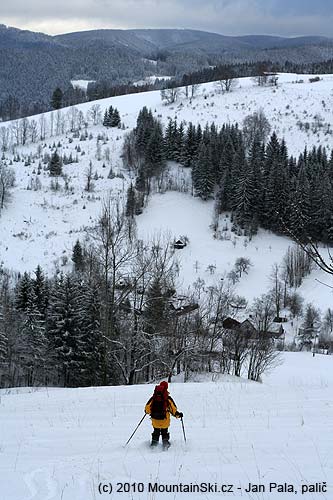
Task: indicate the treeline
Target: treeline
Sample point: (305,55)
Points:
(12,108)
(253,69)
(260,184)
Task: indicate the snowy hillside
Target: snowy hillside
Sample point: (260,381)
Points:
(67,443)
(41,227)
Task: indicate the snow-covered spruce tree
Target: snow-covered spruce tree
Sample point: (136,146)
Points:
(154,152)
(3,339)
(144,126)
(108,117)
(170,138)
(275,184)
(115,120)
(57,96)
(256,162)
(23,291)
(41,290)
(300,213)
(33,345)
(64,329)
(190,146)
(91,340)
(78,257)
(55,165)
(321,223)
(244,203)
(202,174)
(179,143)
(131,202)
(310,327)
(106,121)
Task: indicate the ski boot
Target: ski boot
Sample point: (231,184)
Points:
(154,439)
(165,441)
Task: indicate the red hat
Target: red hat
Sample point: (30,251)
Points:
(164,384)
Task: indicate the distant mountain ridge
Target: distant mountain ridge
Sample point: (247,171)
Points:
(177,39)
(34,64)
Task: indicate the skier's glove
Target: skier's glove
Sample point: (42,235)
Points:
(179,414)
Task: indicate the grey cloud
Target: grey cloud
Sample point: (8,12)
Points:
(231,17)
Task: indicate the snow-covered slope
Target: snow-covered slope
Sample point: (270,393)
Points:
(64,443)
(40,227)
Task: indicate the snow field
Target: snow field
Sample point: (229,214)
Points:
(62,443)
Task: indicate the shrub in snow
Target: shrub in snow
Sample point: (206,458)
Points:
(242,265)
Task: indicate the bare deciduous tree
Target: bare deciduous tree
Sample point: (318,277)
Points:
(262,357)
(256,127)
(95,114)
(7,181)
(170,95)
(89,176)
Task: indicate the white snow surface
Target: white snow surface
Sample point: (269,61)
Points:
(82,84)
(151,79)
(62,443)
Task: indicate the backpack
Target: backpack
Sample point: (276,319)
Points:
(159,403)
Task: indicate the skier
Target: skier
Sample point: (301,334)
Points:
(159,407)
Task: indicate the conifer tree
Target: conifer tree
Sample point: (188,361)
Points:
(131,202)
(115,120)
(57,96)
(179,142)
(154,153)
(144,126)
(64,331)
(170,139)
(33,344)
(300,215)
(106,119)
(23,291)
(3,338)
(202,173)
(91,341)
(310,326)
(244,200)
(55,165)
(78,257)
(190,146)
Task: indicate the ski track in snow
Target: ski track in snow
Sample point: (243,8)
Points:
(61,444)
(41,484)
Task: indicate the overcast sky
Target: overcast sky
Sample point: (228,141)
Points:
(229,17)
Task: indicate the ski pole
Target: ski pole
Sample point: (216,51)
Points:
(136,428)
(183,429)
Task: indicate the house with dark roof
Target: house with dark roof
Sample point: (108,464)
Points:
(276,331)
(179,244)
